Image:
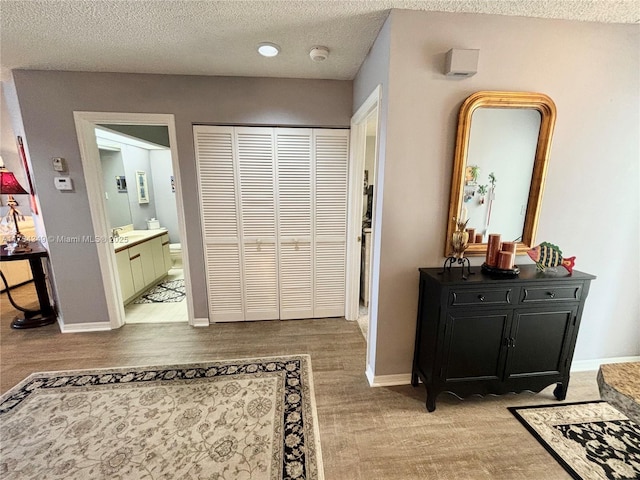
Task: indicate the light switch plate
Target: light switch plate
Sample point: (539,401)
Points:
(63,183)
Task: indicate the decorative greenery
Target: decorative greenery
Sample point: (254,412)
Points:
(492,179)
(482,189)
(475,171)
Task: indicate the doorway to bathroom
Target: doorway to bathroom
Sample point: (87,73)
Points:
(139,190)
(133,184)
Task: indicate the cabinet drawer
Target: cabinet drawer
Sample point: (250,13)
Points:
(486,296)
(564,293)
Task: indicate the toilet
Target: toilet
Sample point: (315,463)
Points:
(175,250)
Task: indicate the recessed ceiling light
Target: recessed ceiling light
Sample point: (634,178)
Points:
(267,49)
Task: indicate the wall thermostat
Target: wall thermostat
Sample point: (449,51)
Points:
(63,183)
(58,164)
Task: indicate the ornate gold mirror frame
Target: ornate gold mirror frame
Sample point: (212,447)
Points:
(504,100)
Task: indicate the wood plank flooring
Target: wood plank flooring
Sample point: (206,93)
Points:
(366,433)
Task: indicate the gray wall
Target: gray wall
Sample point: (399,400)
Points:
(137,159)
(47,102)
(591,202)
(375,72)
(163,197)
(117,202)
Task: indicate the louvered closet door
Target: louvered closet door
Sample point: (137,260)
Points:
(256,170)
(220,222)
(331,149)
(294,174)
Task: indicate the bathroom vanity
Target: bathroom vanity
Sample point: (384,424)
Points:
(143,257)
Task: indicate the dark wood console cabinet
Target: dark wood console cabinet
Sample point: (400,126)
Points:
(489,335)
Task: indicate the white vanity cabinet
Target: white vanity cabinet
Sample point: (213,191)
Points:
(145,253)
(166,252)
(124,274)
(141,262)
(158,257)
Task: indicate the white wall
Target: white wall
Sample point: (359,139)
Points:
(591,202)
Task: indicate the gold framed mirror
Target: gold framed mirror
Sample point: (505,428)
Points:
(500,164)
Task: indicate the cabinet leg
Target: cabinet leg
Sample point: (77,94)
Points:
(560,391)
(431,398)
(414,378)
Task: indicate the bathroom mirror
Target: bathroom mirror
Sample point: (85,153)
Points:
(502,149)
(115,188)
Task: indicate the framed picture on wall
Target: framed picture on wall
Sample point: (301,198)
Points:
(141,183)
(121,183)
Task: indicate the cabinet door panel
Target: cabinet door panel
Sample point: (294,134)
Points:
(541,339)
(124,274)
(474,345)
(158,257)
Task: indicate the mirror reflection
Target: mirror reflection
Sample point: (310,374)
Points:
(502,149)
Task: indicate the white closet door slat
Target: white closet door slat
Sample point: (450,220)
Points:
(330,279)
(261,281)
(257,178)
(331,149)
(220,223)
(256,172)
(295,226)
(214,152)
(296,282)
(224,283)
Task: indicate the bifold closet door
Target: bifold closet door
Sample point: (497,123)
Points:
(295,198)
(274,216)
(331,150)
(215,152)
(256,174)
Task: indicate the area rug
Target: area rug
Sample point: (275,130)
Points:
(591,440)
(241,419)
(170,291)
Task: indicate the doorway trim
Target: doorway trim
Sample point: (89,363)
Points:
(356,181)
(358,143)
(85,125)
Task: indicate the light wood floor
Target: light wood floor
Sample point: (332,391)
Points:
(366,433)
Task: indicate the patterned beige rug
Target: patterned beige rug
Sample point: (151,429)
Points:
(228,420)
(591,440)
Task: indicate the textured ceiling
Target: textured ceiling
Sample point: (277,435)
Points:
(198,37)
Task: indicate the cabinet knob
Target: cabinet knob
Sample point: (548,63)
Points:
(481,298)
(551,294)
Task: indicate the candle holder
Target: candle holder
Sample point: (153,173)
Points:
(459,243)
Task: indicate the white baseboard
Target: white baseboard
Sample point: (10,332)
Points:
(200,322)
(588,365)
(405,378)
(85,327)
(387,380)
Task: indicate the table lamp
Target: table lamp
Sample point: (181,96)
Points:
(9,186)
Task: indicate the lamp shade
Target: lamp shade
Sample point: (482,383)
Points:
(9,184)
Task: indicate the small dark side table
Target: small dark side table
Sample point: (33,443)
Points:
(45,315)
